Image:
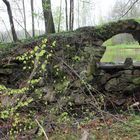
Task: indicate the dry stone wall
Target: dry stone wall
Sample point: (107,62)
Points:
(86,43)
(120,78)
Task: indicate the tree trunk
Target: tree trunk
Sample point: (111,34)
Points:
(72,20)
(14,35)
(24,16)
(33,23)
(60,15)
(78,14)
(66,11)
(71,16)
(47,11)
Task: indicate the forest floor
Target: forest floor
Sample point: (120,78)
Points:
(126,128)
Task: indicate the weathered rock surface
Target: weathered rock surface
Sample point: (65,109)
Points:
(126,80)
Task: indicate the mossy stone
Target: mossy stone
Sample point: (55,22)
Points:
(136,81)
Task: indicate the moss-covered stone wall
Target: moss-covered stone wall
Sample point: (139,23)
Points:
(83,45)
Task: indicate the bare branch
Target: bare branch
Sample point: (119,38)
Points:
(42,129)
(129,8)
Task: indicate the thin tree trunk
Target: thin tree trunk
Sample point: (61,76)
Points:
(78,14)
(33,23)
(60,15)
(24,18)
(47,11)
(23,14)
(38,24)
(66,12)
(72,18)
(83,14)
(8,33)
(14,35)
(2,37)
(71,15)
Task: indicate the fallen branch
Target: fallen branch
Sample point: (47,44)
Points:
(42,129)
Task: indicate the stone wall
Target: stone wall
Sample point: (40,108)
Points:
(84,43)
(120,78)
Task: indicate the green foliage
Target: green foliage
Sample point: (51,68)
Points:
(11,106)
(47,66)
(20,101)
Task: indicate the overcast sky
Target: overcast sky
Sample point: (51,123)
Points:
(101,8)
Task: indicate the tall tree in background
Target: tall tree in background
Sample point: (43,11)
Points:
(60,16)
(24,16)
(125,9)
(47,11)
(66,12)
(14,35)
(71,15)
(33,22)
(78,13)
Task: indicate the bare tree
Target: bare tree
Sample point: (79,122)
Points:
(2,37)
(14,35)
(8,33)
(66,12)
(60,16)
(33,22)
(24,16)
(78,13)
(47,11)
(71,15)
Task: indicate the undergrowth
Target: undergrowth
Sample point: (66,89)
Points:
(48,100)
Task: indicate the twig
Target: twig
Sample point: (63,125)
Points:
(42,129)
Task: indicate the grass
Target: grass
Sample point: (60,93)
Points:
(119,53)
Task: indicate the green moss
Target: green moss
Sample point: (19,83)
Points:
(5,48)
(136,81)
(130,88)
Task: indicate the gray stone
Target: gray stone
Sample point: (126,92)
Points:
(136,72)
(129,72)
(128,62)
(105,78)
(50,94)
(120,102)
(111,84)
(6,71)
(79,99)
(129,89)
(136,81)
